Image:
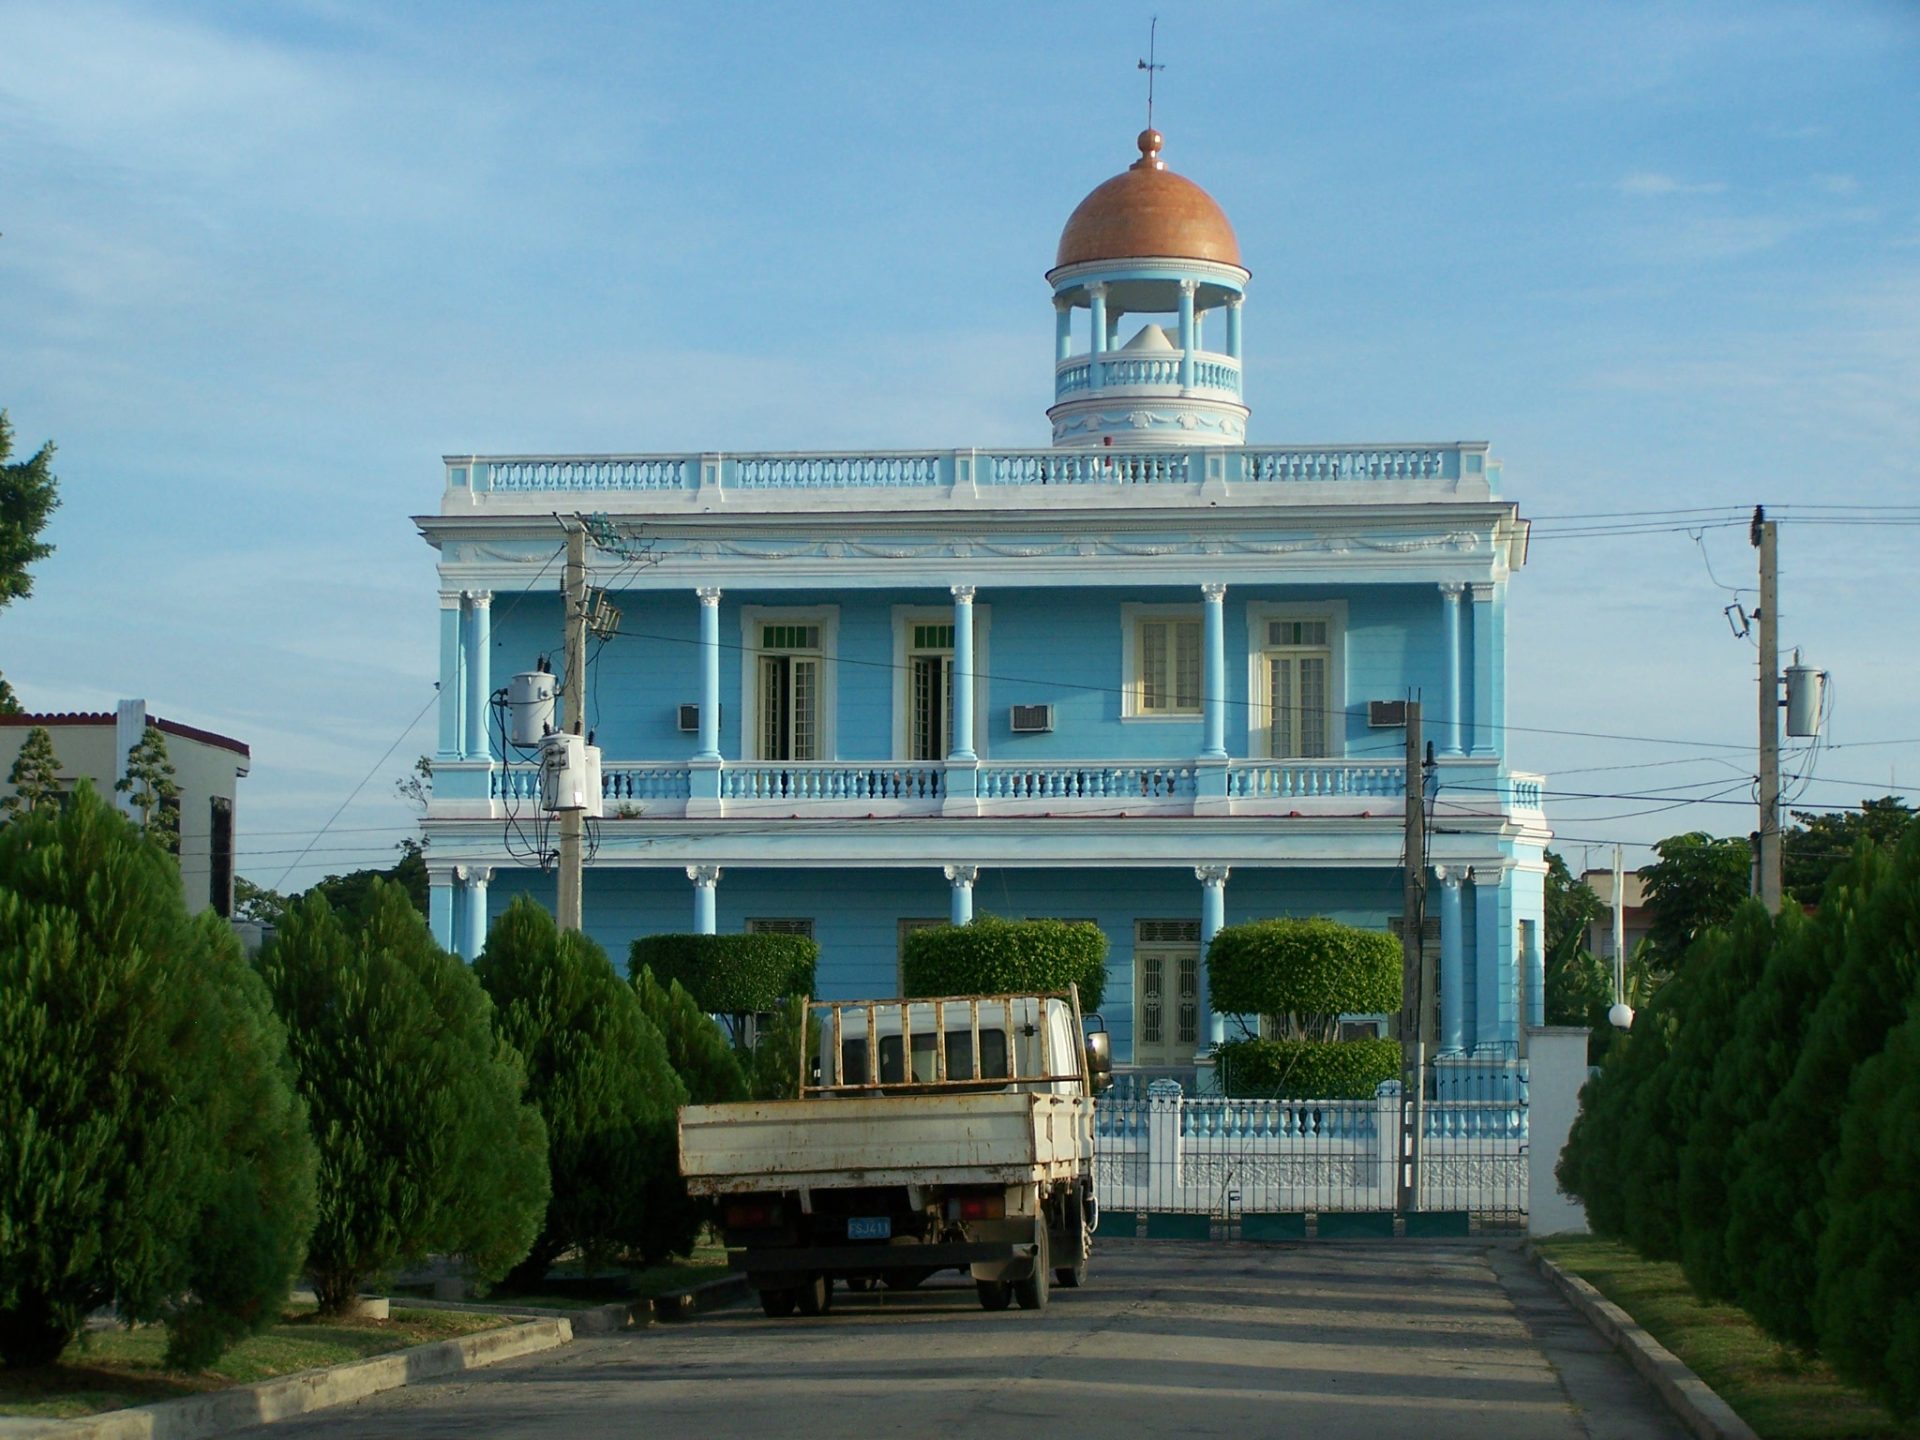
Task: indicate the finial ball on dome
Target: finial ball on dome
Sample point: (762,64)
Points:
(1151,142)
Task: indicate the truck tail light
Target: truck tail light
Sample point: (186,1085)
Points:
(751,1214)
(980,1205)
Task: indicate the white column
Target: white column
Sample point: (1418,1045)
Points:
(440,900)
(1451,596)
(704,878)
(960,743)
(1453,963)
(961,878)
(1212,1028)
(1484,741)
(1097,300)
(479,673)
(1489,978)
(1062,327)
(709,673)
(1214,696)
(474,880)
(1233,326)
(453,680)
(1187,287)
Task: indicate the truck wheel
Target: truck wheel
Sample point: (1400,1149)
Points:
(815,1295)
(994,1294)
(778,1303)
(1032,1291)
(1072,1277)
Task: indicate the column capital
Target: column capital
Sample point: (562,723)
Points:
(479,599)
(1235,300)
(450,599)
(1062,303)
(709,594)
(1449,875)
(1487,876)
(473,874)
(1097,290)
(962,594)
(1212,876)
(960,874)
(1188,287)
(1214,590)
(704,877)
(1453,589)
(1482,591)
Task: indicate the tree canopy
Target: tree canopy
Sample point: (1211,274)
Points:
(29,494)
(1697,883)
(1818,843)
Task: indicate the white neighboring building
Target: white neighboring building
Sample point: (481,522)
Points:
(207,768)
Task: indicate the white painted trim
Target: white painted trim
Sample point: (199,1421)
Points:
(905,617)
(1131,614)
(752,617)
(1260,613)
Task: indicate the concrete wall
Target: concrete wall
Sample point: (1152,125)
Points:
(1557,1057)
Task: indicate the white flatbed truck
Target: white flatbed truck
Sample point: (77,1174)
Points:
(968,1145)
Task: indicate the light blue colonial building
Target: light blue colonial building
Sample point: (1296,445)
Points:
(1128,678)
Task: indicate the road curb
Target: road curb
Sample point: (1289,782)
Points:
(198,1417)
(1691,1399)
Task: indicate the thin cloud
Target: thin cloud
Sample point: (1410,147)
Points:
(1652,184)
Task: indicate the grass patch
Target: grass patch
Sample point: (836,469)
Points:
(1782,1393)
(111,1369)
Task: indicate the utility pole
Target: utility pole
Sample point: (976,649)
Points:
(1415,1005)
(1767,878)
(573,822)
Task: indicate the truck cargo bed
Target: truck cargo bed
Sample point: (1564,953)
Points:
(1000,1137)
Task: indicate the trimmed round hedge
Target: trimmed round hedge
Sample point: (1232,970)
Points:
(1316,970)
(988,956)
(729,974)
(1307,1069)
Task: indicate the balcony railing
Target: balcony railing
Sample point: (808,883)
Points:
(1277,465)
(1049,789)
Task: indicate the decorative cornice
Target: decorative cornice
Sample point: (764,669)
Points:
(1212,876)
(961,875)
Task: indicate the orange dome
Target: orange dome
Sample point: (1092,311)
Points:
(1148,210)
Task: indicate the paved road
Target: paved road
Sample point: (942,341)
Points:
(1328,1341)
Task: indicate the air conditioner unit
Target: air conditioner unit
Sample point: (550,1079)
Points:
(1386,714)
(1031,719)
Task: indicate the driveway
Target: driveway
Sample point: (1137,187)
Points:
(1433,1340)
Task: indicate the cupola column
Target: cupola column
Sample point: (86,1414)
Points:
(1062,327)
(1097,298)
(1187,287)
(1233,326)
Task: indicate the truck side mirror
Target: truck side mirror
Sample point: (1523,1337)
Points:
(1100,1060)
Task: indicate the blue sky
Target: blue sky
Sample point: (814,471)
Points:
(261,265)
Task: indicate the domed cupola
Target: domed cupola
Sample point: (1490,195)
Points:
(1147,243)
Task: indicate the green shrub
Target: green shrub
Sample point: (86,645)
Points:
(730,974)
(1306,973)
(1867,1303)
(989,956)
(1307,1069)
(1591,1165)
(151,1143)
(598,1072)
(1780,1197)
(773,1064)
(425,1144)
(696,1047)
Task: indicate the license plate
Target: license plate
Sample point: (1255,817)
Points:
(877,1227)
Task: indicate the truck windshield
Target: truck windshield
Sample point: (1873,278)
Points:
(993,1058)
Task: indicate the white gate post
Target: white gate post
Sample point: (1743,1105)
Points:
(1386,1135)
(1164,1182)
(1557,1061)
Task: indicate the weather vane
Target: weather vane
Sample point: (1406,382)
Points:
(1149,66)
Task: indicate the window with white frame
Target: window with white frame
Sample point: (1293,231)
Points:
(929,690)
(789,665)
(1296,666)
(1165,661)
